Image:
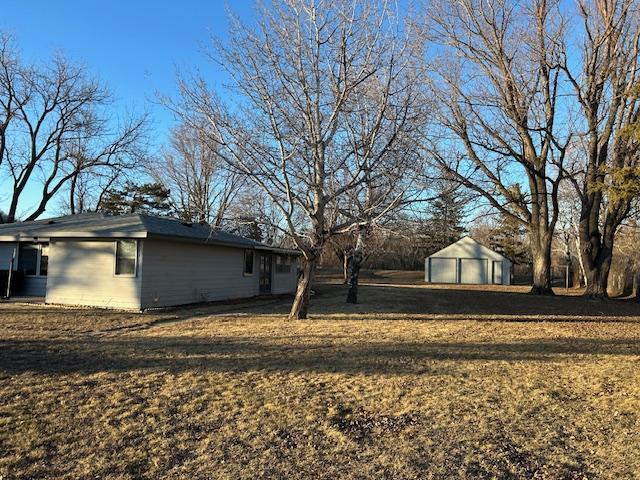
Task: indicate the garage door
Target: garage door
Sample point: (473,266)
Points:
(473,270)
(443,270)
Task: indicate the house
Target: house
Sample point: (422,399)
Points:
(467,261)
(139,261)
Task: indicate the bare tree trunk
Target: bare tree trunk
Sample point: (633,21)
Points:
(598,280)
(583,273)
(300,306)
(72,195)
(598,270)
(345,267)
(541,255)
(356,258)
(597,254)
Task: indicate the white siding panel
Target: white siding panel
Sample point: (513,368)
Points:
(506,272)
(82,273)
(442,270)
(467,247)
(177,273)
(285,282)
(497,273)
(473,270)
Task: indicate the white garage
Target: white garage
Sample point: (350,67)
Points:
(468,262)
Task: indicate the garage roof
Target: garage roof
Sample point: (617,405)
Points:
(467,247)
(134,225)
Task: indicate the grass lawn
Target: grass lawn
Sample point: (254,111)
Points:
(413,382)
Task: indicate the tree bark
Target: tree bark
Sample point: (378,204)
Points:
(356,257)
(541,255)
(345,267)
(300,307)
(598,280)
(598,262)
(597,255)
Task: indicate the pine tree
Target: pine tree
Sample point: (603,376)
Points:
(150,198)
(509,237)
(444,224)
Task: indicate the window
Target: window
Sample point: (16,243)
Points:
(283,264)
(248,262)
(44,259)
(28,258)
(126,257)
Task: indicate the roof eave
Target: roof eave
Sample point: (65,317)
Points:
(219,243)
(22,237)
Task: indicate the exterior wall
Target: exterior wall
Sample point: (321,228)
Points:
(83,273)
(285,282)
(178,273)
(6,252)
(506,272)
(467,248)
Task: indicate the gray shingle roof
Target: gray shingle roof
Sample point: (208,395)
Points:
(134,225)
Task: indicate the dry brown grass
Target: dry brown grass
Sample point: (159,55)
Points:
(400,386)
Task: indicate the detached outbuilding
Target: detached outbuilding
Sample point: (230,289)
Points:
(139,261)
(467,262)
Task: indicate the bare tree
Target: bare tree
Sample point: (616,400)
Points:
(569,221)
(371,204)
(56,128)
(297,77)
(202,184)
(607,90)
(497,85)
(11,95)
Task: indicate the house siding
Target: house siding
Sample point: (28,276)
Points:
(285,282)
(82,273)
(177,273)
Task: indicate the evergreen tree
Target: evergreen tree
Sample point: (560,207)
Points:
(247,227)
(150,198)
(510,237)
(444,225)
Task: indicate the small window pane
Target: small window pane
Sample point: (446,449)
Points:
(28,259)
(44,259)
(248,262)
(126,252)
(283,264)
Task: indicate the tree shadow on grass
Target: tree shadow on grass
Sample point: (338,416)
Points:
(321,355)
(421,300)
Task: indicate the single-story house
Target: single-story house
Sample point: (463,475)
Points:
(467,261)
(139,261)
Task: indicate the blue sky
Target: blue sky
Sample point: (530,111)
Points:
(134,46)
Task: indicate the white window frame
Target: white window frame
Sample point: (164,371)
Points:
(115,258)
